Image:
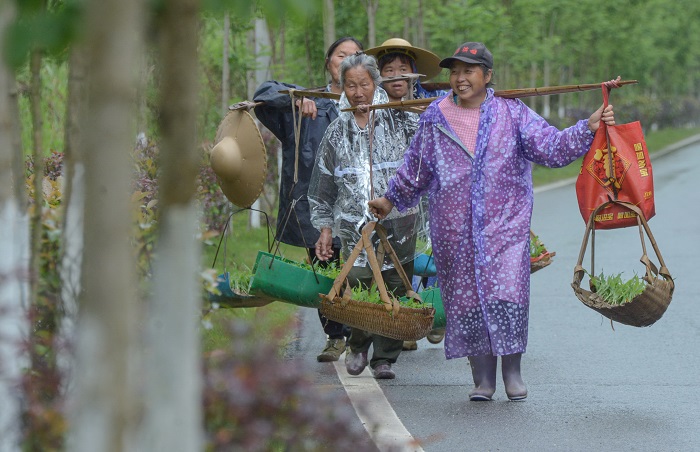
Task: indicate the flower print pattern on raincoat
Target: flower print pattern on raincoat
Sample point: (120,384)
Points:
(340,182)
(480,207)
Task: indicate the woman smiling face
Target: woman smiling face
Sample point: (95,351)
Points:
(359,86)
(468,82)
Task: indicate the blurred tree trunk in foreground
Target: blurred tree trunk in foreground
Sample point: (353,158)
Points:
(173,417)
(14,251)
(73,201)
(106,406)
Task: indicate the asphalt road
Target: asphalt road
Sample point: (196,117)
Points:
(591,387)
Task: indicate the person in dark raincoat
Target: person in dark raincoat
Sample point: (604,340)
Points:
(472,155)
(293,224)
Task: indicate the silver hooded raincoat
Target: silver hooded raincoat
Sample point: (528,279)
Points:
(340,182)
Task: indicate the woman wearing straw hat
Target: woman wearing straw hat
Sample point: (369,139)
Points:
(359,153)
(472,155)
(397,57)
(275,112)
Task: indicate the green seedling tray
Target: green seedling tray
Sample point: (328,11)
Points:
(431,296)
(283,280)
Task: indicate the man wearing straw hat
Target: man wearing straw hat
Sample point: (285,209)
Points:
(396,57)
(472,156)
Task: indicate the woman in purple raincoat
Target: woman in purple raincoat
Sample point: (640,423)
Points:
(472,155)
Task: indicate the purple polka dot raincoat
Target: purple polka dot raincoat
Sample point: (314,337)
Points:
(480,206)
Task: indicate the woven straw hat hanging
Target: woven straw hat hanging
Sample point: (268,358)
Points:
(239,159)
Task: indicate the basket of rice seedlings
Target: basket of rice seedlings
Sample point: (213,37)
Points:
(640,301)
(375,309)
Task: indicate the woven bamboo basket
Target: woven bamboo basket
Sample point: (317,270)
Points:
(388,319)
(644,309)
(543,260)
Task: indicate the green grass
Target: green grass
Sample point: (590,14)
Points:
(655,141)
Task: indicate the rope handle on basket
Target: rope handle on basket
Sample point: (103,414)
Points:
(390,303)
(652,270)
(384,242)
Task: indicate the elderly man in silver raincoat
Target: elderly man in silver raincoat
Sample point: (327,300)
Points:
(341,187)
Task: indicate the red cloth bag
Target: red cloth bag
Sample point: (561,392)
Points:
(625,177)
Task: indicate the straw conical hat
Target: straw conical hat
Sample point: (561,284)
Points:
(427,62)
(239,158)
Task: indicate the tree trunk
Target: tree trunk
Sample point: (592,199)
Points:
(371,7)
(533,83)
(73,199)
(38,157)
(106,406)
(262,73)
(173,417)
(407,20)
(545,82)
(420,31)
(14,252)
(328,23)
(561,109)
(225,68)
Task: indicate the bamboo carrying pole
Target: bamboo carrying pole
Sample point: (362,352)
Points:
(508,93)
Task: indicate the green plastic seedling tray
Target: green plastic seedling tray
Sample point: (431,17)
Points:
(431,296)
(283,280)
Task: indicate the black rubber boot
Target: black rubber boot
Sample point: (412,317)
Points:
(484,374)
(510,368)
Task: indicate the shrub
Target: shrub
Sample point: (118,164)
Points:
(256,401)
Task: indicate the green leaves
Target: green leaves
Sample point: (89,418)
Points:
(616,291)
(331,270)
(536,247)
(48,29)
(372,295)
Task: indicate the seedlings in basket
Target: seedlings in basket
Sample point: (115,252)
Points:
(332,270)
(536,247)
(240,278)
(372,295)
(614,290)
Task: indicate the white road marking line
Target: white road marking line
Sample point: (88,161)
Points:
(375,412)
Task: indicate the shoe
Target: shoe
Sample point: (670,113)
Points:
(334,348)
(476,396)
(410,345)
(384,372)
(513,381)
(355,363)
(484,374)
(517,397)
(436,336)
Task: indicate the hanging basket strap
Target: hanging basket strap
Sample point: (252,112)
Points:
(386,246)
(651,269)
(390,303)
